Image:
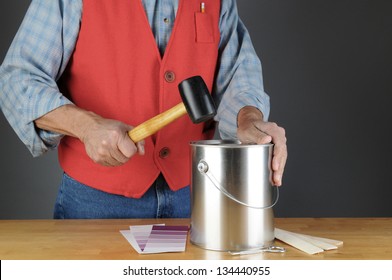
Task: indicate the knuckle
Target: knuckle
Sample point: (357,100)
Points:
(273,125)
(104,144)
(101,152)
(114,134)
(98,159)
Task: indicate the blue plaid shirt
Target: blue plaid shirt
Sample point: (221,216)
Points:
(45,42)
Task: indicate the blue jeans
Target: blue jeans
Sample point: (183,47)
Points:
(78,201)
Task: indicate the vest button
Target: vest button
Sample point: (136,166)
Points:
(164,152)
(170,76)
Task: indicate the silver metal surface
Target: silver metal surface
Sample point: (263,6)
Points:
(203,168)
(242,172)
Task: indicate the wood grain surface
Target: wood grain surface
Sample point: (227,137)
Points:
(364,238)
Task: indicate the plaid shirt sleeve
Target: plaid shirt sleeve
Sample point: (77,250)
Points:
(37,57)
(239,79)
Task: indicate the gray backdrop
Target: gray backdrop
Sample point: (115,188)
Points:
(327,68)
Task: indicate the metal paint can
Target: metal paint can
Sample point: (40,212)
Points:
(232,195)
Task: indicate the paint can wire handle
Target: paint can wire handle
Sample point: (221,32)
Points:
(204,169)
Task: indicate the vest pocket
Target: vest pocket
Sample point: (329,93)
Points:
(204,28)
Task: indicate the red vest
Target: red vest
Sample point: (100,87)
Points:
(117,72)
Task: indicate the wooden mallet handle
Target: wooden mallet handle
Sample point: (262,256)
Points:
(154,124)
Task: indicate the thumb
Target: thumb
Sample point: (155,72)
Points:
(139,144)
(140,147)
(126,146)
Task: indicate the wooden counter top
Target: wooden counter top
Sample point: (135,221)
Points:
(364,238)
